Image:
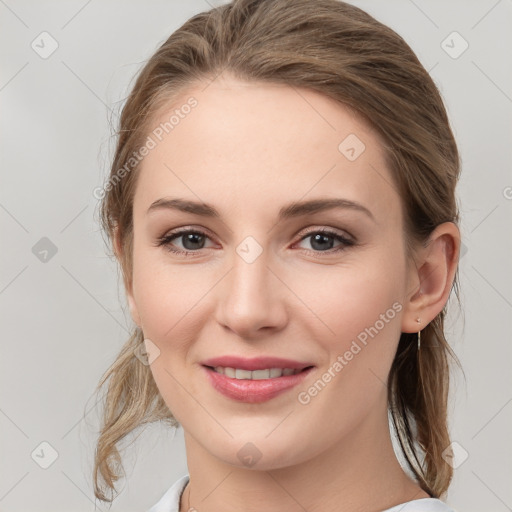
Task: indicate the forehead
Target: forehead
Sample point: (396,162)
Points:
(252,147)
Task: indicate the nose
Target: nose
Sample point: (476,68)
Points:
(252,299)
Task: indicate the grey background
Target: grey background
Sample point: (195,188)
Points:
(65,317)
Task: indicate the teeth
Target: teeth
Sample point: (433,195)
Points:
(270,373)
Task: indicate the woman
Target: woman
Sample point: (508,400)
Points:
(282,205)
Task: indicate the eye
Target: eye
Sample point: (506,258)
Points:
(322,240)
(192,241)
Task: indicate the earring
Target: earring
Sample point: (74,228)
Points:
(419,335)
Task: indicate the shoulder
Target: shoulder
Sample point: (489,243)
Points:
(422,505)
(170,501)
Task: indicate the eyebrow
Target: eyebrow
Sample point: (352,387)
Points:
(292,210)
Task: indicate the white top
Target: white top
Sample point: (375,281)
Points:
(170,502)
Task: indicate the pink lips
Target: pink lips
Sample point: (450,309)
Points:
(254,391)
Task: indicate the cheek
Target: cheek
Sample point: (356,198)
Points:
(369,349)
(340,302)
(358,333)
(169,302)
(165,293)
(357,325)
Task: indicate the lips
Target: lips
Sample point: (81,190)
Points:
(254,391)
(256,363)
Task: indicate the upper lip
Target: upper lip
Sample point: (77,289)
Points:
(255,363)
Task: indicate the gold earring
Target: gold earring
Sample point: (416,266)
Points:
(419,335)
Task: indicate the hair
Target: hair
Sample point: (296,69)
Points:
(340,51)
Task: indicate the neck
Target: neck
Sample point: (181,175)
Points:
(361,472)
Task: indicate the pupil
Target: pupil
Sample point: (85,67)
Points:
(193,238)
(317,240)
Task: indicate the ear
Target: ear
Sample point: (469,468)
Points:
(128,285)
(430,280)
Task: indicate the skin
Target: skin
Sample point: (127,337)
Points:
(249,149)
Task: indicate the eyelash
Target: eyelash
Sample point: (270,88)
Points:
(167,239)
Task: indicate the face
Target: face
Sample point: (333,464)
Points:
(249,282)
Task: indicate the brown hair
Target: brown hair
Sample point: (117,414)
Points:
(341,52)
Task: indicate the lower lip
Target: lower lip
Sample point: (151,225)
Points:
(254,391)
